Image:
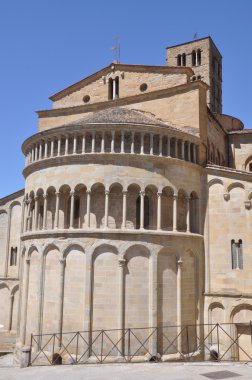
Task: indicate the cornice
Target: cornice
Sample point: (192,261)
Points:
(158,94)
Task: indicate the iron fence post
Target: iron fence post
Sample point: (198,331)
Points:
(218,341)
(187,343)
(101,346)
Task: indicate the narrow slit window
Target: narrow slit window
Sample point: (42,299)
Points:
(237,254)
(13,256)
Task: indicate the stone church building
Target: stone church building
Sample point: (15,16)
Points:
(136,210)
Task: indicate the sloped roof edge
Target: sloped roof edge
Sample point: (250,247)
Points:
(118,66)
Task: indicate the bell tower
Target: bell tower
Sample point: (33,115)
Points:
(205,59)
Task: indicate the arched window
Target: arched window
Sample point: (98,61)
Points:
(146,212)
(193,58)
(179,60)
(250,167)
(116,84)
(183,59)
(198,57)
(110,89)
(13,256)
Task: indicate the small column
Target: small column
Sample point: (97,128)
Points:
(160,144)
(40,150)
(122,142)
(83,148)
(168,146)
(10,312)
(106,207)
(59,145)
(124,209)
(142,194)
(114,89)
(93,142)
(189,151)
(151,143)
(187,214)
(132,148)
(46,149)
(182,149)
(194,154)
(57,194)
(24,301)
(36,152)
(103,142)
(159,200)
(32,158)
(66,145)
(112,149)
(35,224)
(179,303)
(121,320)
(176,148)
(88,207)
(175,198)
(74,144)
(61,300)
(72,209)
(52,148)
(28,215)
(142,143)
(45,212)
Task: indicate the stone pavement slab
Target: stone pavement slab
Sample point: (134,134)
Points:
(143,371)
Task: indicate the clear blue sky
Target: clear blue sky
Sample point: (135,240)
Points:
(47,45)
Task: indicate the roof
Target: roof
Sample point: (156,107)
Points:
(11,196)
(123,67)
(118,115)
(241,132)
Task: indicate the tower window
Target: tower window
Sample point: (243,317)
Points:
(193,58)
(183,59)
(250,167)
(198,57)
(13,256)
(237,254)
(179,61)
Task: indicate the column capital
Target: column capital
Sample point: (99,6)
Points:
(125,192)
(62,260)
(180,261)
(122,262)
(57,193)
(107,192)
(142,193)
(175,196)
(72,193)
(88,191)
(159,194)
(36,198)
(45,196)
(28,260)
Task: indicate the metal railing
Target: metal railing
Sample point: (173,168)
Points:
(205,342)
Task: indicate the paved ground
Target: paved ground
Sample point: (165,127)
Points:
(144,371)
